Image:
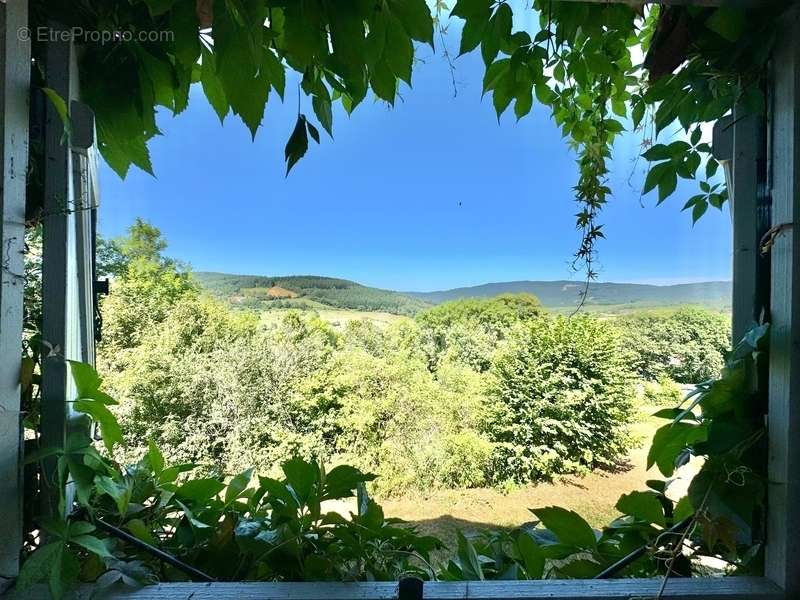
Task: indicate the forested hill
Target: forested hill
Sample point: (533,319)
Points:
(306,291)
(557,294)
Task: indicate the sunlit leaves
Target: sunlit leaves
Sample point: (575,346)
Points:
(668,443)
(644,506)
(93,402)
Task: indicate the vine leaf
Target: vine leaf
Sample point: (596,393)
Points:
(297,146)
(532,556)
(323,109)
(61,109)
(212,87)
(567,525)
(644,506)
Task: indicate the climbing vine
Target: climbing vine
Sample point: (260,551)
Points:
(599,68)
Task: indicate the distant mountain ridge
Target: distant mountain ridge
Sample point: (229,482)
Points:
(311,291)
(554,294)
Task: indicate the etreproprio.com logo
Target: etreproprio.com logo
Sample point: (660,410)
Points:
(92,36)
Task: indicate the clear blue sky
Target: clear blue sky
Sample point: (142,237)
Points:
(431,194)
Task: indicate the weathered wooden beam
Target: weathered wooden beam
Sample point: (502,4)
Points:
(732,588)
(85,193)
(56,273)
(14,94)
(747,145)
(783,519)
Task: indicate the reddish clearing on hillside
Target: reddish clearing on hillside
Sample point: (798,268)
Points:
(278,292)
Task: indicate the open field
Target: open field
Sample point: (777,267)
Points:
(443,512)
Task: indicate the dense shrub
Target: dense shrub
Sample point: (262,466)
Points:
(663,392)
(561,397)
(687,345)
(389,415)
(214,388)
(470,331)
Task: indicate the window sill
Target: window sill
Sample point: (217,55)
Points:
(731,588)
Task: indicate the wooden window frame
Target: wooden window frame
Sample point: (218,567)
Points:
(782,577)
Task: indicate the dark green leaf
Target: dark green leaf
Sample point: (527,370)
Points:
(312,131)
(324,110)
(654,176)
(200,490)
(212,87)
(301,476)
(383,82)
(416,18)
(93,544)
(666,185)
(729,22)
(238,485)
(669,441)
(399,52)
(472,33)
(183,21)
(698,211)
(470,9)
(468,558)
(656,152)
(568,526)
(644,506)
(109,426)
(120,493)
(495,73)
(532,556)
(342,482)
(275,72)
(297,146)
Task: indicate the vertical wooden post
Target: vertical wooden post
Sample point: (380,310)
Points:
(783,525)
(84,183)
(15,53)
(55,269)
(747,146)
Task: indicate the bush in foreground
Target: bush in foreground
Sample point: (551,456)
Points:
(562,399)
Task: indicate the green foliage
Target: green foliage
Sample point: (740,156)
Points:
(662,392)
(246,527)
(470,331)
(722,420)
(687,345)
(562,399)
(247,50)
(146,286)
(215,387)
(240,527)
(390,415)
